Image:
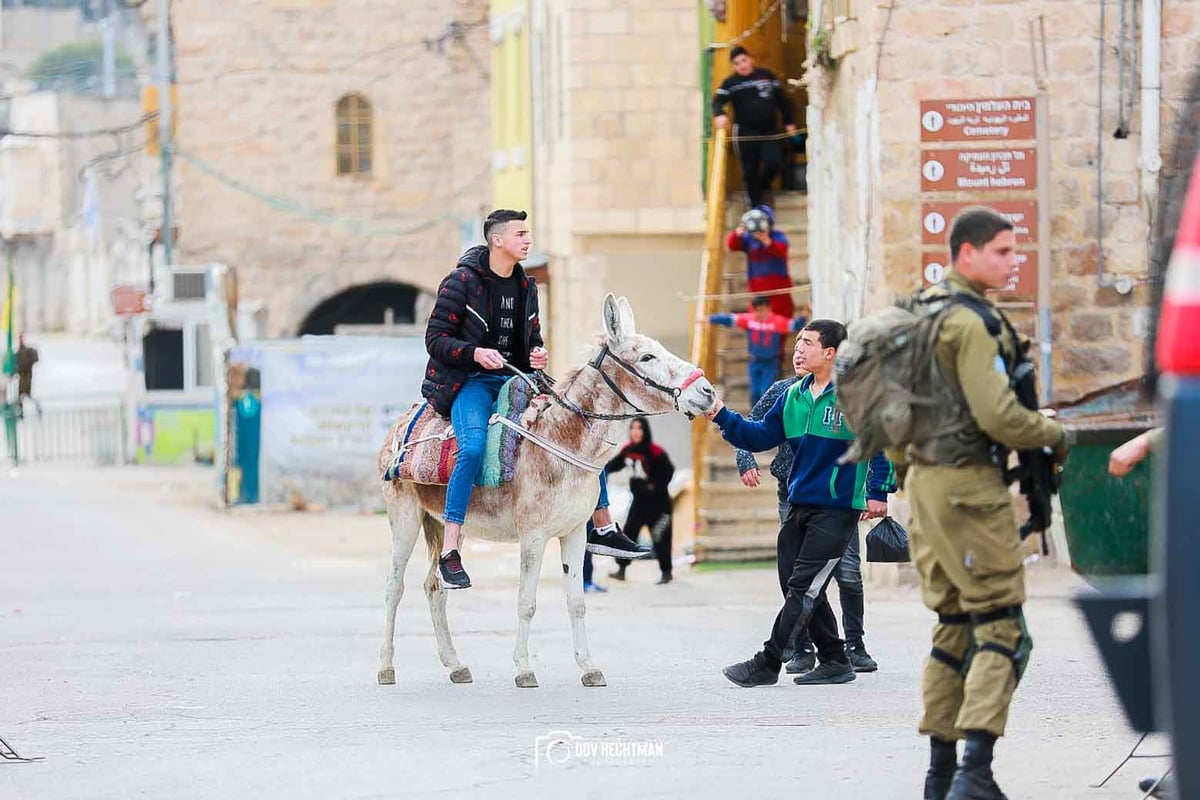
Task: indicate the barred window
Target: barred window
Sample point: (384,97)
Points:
(353,135)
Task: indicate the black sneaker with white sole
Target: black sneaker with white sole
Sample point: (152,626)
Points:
(612,542)
(451,569)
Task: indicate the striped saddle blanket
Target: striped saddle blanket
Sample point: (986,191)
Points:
(428,451)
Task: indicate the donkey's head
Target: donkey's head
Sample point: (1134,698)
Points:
(643,373)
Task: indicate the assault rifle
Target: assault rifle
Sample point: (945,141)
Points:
(1036,470)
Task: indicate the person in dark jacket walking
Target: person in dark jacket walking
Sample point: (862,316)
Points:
(848,573)
(485,316)
(758,103)
(826,500)
(651,472)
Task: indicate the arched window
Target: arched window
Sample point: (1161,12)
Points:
(353,135)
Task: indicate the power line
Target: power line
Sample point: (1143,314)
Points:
(82,134)
(364,227)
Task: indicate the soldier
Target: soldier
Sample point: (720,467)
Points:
(964,539)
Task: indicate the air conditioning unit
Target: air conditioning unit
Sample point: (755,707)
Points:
(182,284)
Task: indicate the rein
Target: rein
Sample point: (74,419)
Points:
(595,363)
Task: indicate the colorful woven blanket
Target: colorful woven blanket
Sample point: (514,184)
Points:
(429,450)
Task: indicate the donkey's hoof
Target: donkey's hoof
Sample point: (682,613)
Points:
(387,676)
(526,680)
(461,675)
(594,677)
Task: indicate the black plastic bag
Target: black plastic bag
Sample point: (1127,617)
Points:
(887,542)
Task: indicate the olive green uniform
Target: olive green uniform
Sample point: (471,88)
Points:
(964,539)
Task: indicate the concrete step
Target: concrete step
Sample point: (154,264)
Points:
(734,549)
(726,496)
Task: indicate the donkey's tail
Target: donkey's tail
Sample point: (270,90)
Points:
(434,535)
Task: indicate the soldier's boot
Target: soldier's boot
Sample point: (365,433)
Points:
(973,780)
(943,759)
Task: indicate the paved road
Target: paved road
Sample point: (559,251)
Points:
(151,647)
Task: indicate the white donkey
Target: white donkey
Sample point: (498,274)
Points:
(555,487)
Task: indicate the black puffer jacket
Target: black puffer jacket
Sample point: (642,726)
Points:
(459,323)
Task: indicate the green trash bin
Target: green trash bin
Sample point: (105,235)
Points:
(1107,519)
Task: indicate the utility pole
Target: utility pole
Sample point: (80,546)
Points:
(108,34)
(164,121)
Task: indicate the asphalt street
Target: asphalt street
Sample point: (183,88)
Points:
(154,647)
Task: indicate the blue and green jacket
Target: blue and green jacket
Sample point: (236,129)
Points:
(819,436)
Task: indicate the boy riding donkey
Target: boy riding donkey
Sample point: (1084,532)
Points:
(485,318)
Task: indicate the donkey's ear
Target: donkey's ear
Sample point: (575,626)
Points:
(612,318)
(627,324)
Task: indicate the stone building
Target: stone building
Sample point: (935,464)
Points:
(597,111)
(1097,66)
(334,152)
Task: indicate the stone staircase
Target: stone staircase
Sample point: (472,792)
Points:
(737,523)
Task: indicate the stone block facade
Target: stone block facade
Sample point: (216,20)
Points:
(617,193)
(256,179)
(865,151)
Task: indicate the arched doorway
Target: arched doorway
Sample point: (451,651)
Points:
(363,305)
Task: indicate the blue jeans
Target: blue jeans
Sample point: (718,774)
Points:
(763,372)
(469,415)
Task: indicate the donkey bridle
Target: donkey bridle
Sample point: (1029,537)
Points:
(595,363)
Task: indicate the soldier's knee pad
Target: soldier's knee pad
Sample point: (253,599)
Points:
(1013,618)
(957,657)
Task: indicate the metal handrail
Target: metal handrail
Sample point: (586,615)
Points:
(712,266)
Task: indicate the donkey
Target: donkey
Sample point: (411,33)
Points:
(552,494)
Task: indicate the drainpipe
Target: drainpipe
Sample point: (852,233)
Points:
(1150,160)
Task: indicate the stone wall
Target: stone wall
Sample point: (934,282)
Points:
(981,48)
(256,179)
(618,182)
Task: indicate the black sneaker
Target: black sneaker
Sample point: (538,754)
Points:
(616,544)
(860,659)
(754,672)
(802,662)
(975,784)
(827,672)
(452,572)
(666,578)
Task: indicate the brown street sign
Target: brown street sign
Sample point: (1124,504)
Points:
(936,219)
(1004,169)
(934,266)
(980,119)
(1022,286)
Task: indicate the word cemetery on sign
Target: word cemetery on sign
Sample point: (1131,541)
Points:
(977,119)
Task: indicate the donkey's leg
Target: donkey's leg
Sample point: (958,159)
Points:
(404,515)
(435,593)
(571,548)
(533,548)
